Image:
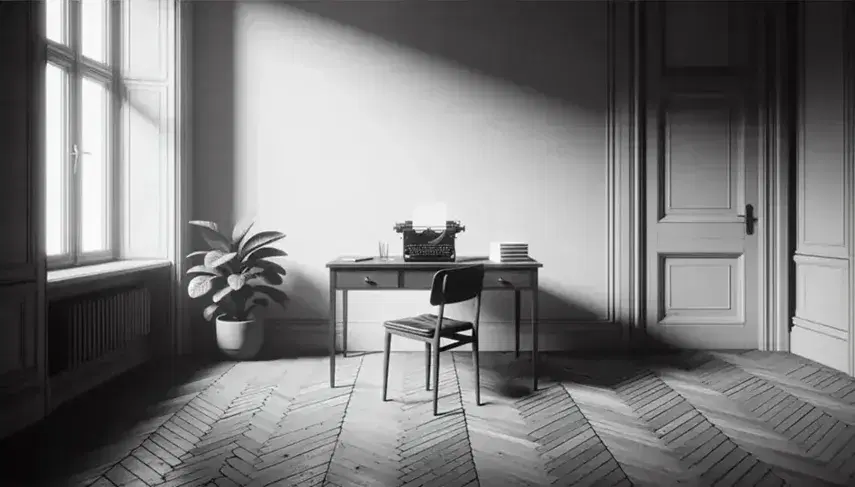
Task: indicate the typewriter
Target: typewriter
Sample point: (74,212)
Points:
(426,244)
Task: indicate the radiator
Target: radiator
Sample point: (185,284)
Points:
(89,327)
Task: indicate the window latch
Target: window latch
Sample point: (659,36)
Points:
(75,157)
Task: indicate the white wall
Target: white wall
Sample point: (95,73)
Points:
(344,118)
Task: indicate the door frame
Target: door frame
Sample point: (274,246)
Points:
(777,175)
(776,215)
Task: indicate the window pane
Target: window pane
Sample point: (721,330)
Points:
(56,20)
(93,167)
(94,29)
(56,150)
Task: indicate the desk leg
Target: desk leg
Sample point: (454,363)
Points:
(516,323)
(332,328)
(344,322)
(534,334)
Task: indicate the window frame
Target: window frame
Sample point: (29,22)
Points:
(69,57)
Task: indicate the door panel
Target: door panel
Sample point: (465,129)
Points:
(822,325)
(701,173)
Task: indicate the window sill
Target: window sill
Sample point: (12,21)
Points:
(88,273)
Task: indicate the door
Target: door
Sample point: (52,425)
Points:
(822,323)
(701,175)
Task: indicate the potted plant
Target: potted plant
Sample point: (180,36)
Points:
(238,277)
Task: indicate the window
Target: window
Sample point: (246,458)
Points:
(80,139)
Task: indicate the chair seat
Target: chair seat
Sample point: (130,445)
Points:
(424,325)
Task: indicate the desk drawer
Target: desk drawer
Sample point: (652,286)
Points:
(366,279)
(507,279)
(418,279)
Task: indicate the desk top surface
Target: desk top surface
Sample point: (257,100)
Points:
(396,262)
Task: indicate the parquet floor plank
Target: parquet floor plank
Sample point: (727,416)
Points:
(824,447)
(504,448)
(753,435)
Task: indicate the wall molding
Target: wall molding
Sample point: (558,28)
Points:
(637,309)
(612,187)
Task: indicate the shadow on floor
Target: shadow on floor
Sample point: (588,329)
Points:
(88,428)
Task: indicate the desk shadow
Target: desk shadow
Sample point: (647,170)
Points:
(592,357)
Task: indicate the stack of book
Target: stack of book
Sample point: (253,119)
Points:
(509,252)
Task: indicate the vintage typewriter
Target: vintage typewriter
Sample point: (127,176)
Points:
(425,244)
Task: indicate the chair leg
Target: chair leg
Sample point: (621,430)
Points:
(435,380)
(427,366)
(387,346)
(477,369)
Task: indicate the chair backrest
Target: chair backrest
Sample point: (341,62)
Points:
(457,284)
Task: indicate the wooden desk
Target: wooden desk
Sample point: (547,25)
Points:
(376,275)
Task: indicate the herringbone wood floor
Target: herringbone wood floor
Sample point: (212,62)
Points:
(694,418)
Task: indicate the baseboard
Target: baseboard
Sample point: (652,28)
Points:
(21,410)
(827,349)
(68,385)
(312,336)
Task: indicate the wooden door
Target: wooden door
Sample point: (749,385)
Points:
(825,149)
(701,174)
(22,352)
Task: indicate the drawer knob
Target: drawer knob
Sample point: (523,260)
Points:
(503,281)
(369,281)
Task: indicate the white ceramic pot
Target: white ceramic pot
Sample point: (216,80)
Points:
(240,340)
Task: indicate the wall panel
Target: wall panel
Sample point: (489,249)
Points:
(822,326)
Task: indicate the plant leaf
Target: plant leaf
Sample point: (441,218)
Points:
(200,286)
(275,295)
(271,277)
(257,302)
(205,224)
(259,240)
(264,253)
(196,253)
(212,235)
(216,258)
(201,269)
(211,311)
(250,273)
(219,295)
(236,281)
(240,231)
(269,266)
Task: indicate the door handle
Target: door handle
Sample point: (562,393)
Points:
(750,219)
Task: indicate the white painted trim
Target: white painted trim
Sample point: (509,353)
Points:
(776,278)
(621,130)
(765,172)
(636,169)
(183,174)
(75,275)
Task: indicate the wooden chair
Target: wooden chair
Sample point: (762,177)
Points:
(449,286)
